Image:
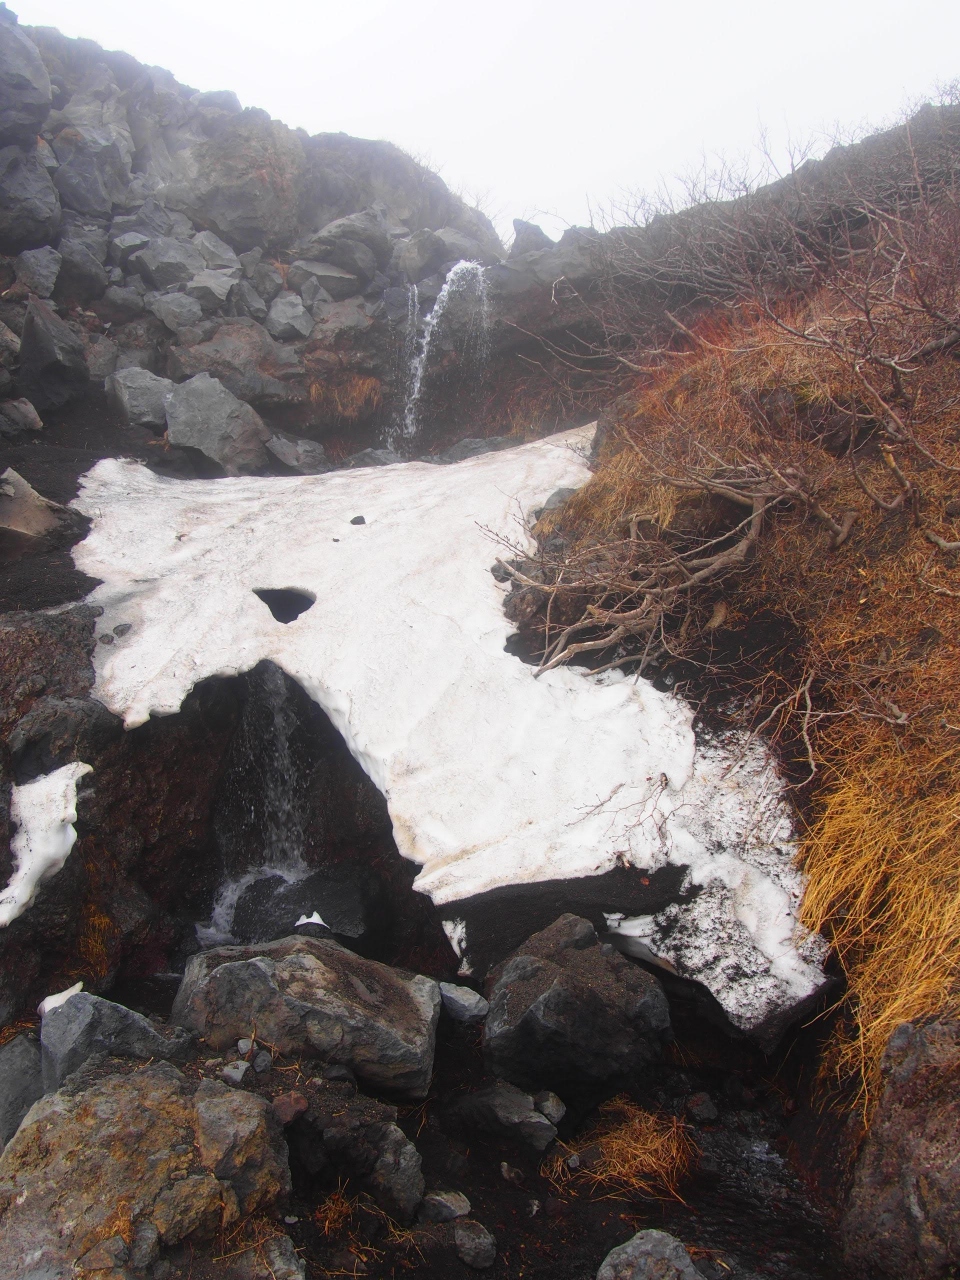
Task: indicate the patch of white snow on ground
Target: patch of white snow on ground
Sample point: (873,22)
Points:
(492,777)
(49,1003)
(44,812)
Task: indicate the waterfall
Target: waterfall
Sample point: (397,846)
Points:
(273,808)
(465,278)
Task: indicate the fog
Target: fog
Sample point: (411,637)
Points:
(550,111)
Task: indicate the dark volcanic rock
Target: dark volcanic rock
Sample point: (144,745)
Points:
(566,1012)
(21,1083)
(338,1131)
(29,204)
(504,1111)
(25,94)
(248,362)
(84,1025)
(649,1255)
(203,414)
(139,396)
(312,996)
(52,365)
(270,908)
(903,1217)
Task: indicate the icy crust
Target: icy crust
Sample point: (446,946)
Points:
(492,777)
(44,812)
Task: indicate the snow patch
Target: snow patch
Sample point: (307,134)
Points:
(44,812)
(55,1001)
(492,777)
(314,919)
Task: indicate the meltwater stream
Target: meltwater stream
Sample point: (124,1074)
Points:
(467,282)
(275,809)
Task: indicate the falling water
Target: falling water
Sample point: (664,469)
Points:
(273,808)
(464,278)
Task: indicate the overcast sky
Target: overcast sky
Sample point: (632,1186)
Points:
(546,110)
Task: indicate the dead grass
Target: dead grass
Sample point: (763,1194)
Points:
(630,1150)
(334,1214)
(346,399)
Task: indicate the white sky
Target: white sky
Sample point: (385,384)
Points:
(544,110)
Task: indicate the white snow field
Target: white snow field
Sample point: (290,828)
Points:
(492,777)
(43,812)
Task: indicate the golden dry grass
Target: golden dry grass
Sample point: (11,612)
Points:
(346,399)
(335,1212)
(876,627)
(631,1150)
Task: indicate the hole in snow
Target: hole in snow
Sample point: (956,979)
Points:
(285,603)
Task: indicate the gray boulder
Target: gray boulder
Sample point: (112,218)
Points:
(139,396)
(528,238)
(568,1014)
(356,257)
(82,277)
(119,304)
(267,281)
(505,1111)
(53,369)
(312,292)
(37,268)
(903,1215)
(217,254)
(649,1255)
(175,310)
(211,288)
(312,996)
(474,1244)
(247,361)
(288,318)
(444,1206)
(369,228)
(17,417)
(85,1024)
(424,253)
(29,204)
(167,262)
(248,302)
(21,1083)
(274,1259)
(463,1004)
(122,247)
(25,95)
(306,456)
(92,176)
(203,414)
(462,248)
(372,458)
(337,282)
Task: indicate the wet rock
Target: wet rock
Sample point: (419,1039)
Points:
(903,1216)
(649,1255)
(139,1148)
(18,418)
(312,996)
(138,396)
(372,458)
(464,248)
(203,414)
(248,362)
(211,288)
(505,1111)
(288,318)
(474,1244)
(58,731)
(528,238)
(566,1013)
(37,268)
(216,253)
(21,1083)
(444,1206)
(53,370)
(463,1004)
(337,319)
(271,907)
(337,282)
(306,456)
(25,94)
(167,262)
(85,1024)
(343,1133)
(29,204)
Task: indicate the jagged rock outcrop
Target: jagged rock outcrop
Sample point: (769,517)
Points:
(84,1025)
